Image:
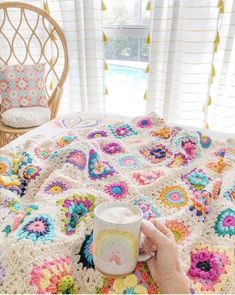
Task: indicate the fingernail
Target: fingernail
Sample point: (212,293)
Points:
(144,221)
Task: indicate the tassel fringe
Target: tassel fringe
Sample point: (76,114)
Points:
(148,6)
(104,7)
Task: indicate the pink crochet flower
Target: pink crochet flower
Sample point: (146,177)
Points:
(36,226)
(117,190)
(112,148)
(145,123)
(147,178)
(121,131)
(190,148)
(204,265)
(54,276)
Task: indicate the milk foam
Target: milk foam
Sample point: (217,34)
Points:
(119,214)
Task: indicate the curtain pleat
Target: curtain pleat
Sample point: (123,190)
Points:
(182,34)
(222,114)
(192,63)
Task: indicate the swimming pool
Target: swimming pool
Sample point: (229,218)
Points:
(126,86)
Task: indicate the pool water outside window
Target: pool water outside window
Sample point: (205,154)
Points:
(126,24)
(126,82)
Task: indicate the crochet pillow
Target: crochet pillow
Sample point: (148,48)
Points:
(22,86)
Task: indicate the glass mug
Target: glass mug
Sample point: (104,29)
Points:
(116,245)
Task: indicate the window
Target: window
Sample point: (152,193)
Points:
(126,24)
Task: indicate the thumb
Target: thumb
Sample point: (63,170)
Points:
(153,234)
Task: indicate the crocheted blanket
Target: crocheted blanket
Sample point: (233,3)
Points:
(48,192)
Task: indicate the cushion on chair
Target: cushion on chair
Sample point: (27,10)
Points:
(22,86)
(26,117)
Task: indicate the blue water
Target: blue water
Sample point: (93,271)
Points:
(133,79)
(126,87)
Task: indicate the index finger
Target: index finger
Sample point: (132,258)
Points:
(153,233)
(163,228)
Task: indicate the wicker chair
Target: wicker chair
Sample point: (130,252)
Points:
(29,35)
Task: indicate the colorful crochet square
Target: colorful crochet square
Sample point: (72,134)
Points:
(31,172)
(147,206)
(25,159)
(220,152)
(145,178)
(77,158)
(140,282)
(178,161)
(56,187)
(122,131)
(189,144)
(174,196)
(145,123)
(117,190)
(54,276)
(156,154)
(200,204)
(65,140)
(163,132)
(98,169)
(189,147)
(129,161)
(205,140)
(42,153)
(179,229)
(2,273)
(112,148)
(19,213)
(97,134)
(5,166)
(75,208)
(196,179)
(11,182)
(225,223)
(229,194)
(207,267)
(218,166)
(86,252)
(54,155)
(38,229)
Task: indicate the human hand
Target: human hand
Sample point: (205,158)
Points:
(164,266)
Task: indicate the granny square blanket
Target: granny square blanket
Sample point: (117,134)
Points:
(49,189)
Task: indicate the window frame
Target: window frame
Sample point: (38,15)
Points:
(119,31)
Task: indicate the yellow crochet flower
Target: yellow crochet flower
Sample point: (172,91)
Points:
(128,285)
(16,162)
(9,181)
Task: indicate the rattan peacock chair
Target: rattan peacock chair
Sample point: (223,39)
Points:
(30,36)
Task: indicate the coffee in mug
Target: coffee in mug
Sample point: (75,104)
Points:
(116,238)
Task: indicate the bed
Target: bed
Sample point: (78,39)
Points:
(52,178)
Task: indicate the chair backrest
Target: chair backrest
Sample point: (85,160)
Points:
(29,35)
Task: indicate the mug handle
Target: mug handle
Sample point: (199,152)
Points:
(143,257)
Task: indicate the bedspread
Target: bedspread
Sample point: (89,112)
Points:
(49,188)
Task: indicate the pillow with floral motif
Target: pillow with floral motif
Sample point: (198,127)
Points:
(22,86)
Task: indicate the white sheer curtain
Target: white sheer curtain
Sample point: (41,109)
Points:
(222,111)
(81,21)
(181,59)
(82,24)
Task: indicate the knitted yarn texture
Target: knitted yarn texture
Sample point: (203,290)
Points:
(49,189)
